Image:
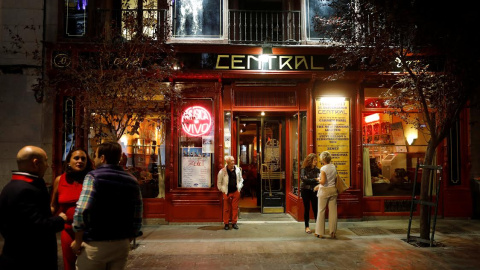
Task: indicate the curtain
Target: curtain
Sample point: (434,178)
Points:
(367,175)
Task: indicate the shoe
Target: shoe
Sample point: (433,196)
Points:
(319,236)
(226,227)
(235,226)
(307,230)
(333,236)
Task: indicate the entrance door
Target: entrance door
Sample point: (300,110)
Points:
(261,155)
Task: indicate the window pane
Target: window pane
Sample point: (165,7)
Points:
(197,18)
(196,144)
(143,155)
(315,9)
(76,18)
(392,149)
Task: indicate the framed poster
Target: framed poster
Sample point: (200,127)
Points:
(333,132)
(196,168)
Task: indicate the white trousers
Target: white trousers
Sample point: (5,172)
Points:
(327,196)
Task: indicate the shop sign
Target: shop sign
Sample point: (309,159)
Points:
(196,121)
(270,62)
(333,132)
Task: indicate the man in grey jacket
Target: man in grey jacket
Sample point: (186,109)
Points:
(230,182)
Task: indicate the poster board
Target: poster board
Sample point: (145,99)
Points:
(196,168)
(332,126)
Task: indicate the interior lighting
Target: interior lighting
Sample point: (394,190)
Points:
(266,52)
(262,114)
(332,99)
(372,118)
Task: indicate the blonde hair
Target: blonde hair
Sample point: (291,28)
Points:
(325,155)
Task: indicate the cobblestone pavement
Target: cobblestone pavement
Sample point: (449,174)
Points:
(278,242)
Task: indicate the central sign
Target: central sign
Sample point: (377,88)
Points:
(196,121)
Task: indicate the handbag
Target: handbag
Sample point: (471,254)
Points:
(340,184)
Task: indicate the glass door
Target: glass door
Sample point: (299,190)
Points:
(273,166)
(261,155)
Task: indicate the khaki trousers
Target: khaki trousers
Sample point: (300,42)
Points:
(99,255)
(327,196)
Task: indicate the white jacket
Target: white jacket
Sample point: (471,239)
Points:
(222,179)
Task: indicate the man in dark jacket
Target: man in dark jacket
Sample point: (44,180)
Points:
(26,222)
(108,214)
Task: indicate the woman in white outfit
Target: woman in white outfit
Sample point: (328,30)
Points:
(327,195)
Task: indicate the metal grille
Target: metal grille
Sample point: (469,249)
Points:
(255,98)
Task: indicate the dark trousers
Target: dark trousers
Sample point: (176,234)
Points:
(309,197)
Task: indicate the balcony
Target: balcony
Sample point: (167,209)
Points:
(257,27)
(244,26)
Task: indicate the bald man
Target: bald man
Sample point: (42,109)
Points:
(26,222)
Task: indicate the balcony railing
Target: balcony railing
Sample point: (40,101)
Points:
(244,26)
(257,27)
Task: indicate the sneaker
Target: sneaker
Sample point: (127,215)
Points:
(226,227)
(235,226)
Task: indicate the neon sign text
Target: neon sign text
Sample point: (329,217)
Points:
(196,121)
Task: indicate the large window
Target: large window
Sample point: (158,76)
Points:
(197,18)
(142,17)
(76,18)
(316,9)
(298,147)
(196,144)
(392,147)
(143,154)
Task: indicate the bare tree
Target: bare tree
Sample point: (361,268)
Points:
(428,42)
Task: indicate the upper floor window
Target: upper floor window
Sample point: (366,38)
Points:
(76,18)
(142,17)
(197,18)
(316,9)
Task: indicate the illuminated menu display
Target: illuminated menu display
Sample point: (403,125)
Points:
(333,132)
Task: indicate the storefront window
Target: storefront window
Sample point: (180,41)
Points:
(143,155)
(298,149)
(196,144)
(392,149)
(227,133)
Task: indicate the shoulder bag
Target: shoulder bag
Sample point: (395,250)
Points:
(340,184)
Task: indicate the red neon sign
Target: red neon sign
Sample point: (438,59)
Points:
(196,121)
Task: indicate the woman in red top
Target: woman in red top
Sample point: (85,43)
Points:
(65,194)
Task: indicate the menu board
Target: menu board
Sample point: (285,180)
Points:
(333,132)
(196,168)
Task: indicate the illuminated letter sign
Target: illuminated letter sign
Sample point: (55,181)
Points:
(196,121)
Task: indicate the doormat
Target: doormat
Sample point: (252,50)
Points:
(367,231)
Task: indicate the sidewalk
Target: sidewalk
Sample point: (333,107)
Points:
(279,242)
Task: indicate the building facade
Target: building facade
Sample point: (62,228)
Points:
(254,82)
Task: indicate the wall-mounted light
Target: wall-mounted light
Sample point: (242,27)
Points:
(332,99)
(266,52)
(411,135)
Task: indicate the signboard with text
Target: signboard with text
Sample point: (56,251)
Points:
(196,168)
(332,125)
